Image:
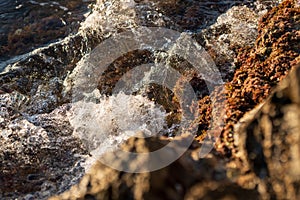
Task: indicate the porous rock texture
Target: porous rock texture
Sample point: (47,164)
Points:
(266,166)
(266,139)
(259,68)
(42,157)
(269,139)
(39,154)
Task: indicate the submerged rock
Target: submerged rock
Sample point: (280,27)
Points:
(26,25)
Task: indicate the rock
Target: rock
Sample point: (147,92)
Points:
(195,16)
(260,68)
(42,72)
(232,31)
(265,167)
(235,29)
(269,139)
(275,52)
(186,178)
(38,153)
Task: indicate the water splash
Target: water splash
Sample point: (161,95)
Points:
(106,124)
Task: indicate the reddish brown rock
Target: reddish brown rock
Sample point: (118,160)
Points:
(268,140)
(265,167)
(276,50)
(39,79)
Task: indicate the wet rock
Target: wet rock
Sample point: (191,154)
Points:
(33,74)
(38,153)
(197,15)
(233,30)
(266,166)
(269,140)
(42,157)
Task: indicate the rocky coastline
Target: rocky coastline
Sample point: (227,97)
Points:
(255,46)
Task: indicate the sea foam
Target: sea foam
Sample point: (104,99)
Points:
(104,125)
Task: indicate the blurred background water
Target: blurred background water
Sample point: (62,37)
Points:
(28,24)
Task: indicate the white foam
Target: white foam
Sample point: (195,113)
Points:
(104,126)
(109,15)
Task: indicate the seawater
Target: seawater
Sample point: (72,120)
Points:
(28,24)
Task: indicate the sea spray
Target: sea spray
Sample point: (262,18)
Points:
(104,125)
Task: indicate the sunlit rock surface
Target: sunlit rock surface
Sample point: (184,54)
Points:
(41,154)
(266,166)
(235,29)
(186,178)
(260,68)
(269,140)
